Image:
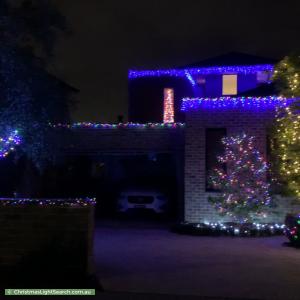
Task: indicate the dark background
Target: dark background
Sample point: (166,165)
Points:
(109,37)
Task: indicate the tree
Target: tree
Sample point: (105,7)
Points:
(30,97)
(31,25)
(287,76)
(242,181)
(8,144)
(286,132)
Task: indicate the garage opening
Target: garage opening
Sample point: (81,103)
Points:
(146,186)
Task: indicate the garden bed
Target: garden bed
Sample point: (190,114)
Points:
(230,229)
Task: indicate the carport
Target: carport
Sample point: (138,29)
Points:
(150,156)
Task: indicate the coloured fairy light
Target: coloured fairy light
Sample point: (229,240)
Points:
(168,105)
(200,71)
(89,125)
(47,202)
(190,78)
(243,185)
(292,229)
(8,144)
(233,229)
(268,102)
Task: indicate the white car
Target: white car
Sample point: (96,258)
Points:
(142,199)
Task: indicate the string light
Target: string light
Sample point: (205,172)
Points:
(8,144)
(231,229)
(89,125)
(168,105)
(47,202)
(190,78)
(292,230)
(287,137)
(287,75)
(269,102)
(200,71)
(244,188)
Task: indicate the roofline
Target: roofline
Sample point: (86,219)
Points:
(63,83)
(179,72)
(235,102)
(243,58)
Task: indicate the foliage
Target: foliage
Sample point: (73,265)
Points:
(287,76)
(7,144)
(32,25)
(286,132)
(243,185)
(30,97)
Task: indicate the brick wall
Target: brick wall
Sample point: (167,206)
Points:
(197,208)
(47,238)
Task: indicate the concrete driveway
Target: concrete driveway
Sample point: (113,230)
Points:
(142,258)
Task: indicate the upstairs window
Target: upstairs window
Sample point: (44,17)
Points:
(229,86)
(263,77)
(201,80)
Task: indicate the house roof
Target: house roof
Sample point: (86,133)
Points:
(63,83)
(233,62)
(232,59)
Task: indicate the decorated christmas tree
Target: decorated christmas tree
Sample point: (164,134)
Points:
(242,180)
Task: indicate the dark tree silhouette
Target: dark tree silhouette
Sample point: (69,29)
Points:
(31,98)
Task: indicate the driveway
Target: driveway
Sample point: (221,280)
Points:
(142,258)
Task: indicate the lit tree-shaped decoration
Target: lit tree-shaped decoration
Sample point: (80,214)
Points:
(286,135)
(168,105)
(243,186)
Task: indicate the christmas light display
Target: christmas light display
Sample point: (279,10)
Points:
(292,229)
(190,78)
(168,105)
(286,148)
(201,71)
(89,125)
(243,186)
(231,229)
(286,134)
(269,102)
(287,76)
(47,202)
(8,144)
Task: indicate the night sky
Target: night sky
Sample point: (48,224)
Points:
(109,37)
